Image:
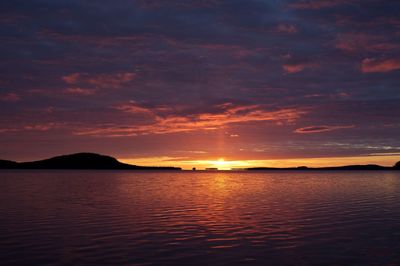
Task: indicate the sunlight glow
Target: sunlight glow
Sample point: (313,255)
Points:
(224,164)
(221,164)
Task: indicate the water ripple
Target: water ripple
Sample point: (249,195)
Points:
(221,218)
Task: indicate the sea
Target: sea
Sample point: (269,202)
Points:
(60,217)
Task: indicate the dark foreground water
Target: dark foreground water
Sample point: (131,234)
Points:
(215,218)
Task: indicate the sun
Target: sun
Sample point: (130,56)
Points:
(221,161)
(221,164)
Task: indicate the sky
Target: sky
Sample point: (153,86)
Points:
(188,83)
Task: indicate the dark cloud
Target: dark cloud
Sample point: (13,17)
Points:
(319,129)
(79,71)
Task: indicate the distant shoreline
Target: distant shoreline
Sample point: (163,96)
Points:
(367,167)
(93,161)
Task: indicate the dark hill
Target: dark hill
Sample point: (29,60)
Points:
(4,164)
(79,161)
(397,166)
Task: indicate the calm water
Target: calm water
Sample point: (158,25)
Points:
(216,218)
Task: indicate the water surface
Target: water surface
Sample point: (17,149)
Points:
(199,218)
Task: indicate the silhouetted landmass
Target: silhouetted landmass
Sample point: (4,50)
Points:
(4,164)
(346,167)
(79,161)
(103,162)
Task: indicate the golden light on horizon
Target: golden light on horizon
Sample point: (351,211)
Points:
(223,164)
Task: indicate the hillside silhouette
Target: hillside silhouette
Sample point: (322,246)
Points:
(79,161)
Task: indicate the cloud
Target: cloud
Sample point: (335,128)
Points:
(286,28)
(178,3)
(297,67)
(80,91)
(115,80)
(6,130)
(42,127)
(236,51)
(320,4)
(178,59)
(372,65)
(10,97)
(34,127)
(319,129)
(163,121)
(358,42)
(133,107)
(95,41)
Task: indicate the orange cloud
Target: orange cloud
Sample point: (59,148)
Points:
(356,42)
(80,91)
(372,65)
(163,122)
(10,97)
(294,68)
(319,129)
(100,80)
(72,78)
(6,130)
(43,126)
(286,28)
(35,127)
(134,108)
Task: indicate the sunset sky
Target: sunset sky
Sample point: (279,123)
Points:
(202,83)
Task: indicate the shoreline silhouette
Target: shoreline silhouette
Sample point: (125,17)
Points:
(80,161)
(369,167)
(93,161)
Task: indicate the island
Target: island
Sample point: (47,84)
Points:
(81,161)
(332,168)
